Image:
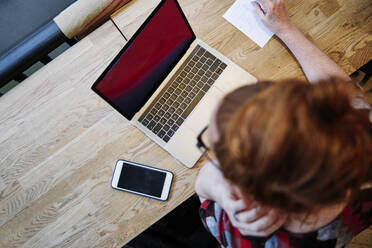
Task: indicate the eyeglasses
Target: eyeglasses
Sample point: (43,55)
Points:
(205,149)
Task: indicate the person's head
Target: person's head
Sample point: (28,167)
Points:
(292,145)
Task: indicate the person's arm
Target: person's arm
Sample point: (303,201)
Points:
(316,65)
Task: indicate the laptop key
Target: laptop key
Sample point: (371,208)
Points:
(204,79)
(170,101)
(188,100)
(156,129)
(219,71)
(165,107)
(188,89)
(179,111)
(223,65)
(174,96)
(192,95)
(161,134)
(158,106)
(194,70)
(171,110)
(201,73)
(179,99)
(203,59)
(197,77)
(206,87)
(163,121)
(208,73)
(175,116)
(209,62)
(153,111)
(200,51)
(170,90)
(200,84)
(170,122)
(162,100)
(182,86)
(170,133)
(195,90)
(191,63)
(161,112)
(183,105)
(145,122)
(186,80)
(167,116)
(205,67)
(184,93)
(215,65)
(179,79)
(175,127)
(183,74)
(187,68)
(166,127)
(166,138)
(192,105)
(179,121)
(176,104)
(166,95)
(198,65)
(210,81)
(149,116)
(177,92)
(215,76)
(192,83)
(151,125)
(209,55)
(195,58)
(156,118)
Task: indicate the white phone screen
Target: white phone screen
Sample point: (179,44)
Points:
(142,180)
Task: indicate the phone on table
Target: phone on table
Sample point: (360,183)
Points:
(142,180)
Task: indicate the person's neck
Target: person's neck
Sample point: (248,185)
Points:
(303,223)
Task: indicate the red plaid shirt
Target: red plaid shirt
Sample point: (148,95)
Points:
(353,219)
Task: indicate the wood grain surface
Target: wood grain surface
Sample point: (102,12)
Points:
(59,141)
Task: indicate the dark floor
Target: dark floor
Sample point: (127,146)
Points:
(180,228)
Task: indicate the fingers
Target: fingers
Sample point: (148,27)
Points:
(251,215)
(236,206)
(266,221)
(263,224)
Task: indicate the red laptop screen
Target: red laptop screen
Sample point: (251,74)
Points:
(146,59)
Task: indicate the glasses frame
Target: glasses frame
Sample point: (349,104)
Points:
(203,148)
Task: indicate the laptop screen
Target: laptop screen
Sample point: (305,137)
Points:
(146,59)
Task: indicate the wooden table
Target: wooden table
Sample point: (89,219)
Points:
(59,141)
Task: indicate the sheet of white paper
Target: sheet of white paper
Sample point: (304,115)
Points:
(244,17)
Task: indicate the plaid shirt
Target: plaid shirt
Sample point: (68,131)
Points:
(353,219)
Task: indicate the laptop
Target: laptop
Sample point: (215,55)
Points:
(167,82)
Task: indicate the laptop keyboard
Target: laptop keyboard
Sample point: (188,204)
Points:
(182,93)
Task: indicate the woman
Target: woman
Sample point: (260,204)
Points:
(290,162)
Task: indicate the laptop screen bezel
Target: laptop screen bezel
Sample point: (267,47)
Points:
(129,43)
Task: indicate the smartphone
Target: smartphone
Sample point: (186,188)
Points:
(142,180)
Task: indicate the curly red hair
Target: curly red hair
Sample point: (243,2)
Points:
(293,145)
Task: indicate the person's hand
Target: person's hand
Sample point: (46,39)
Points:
(252,220)
(258,221)
(274,15)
